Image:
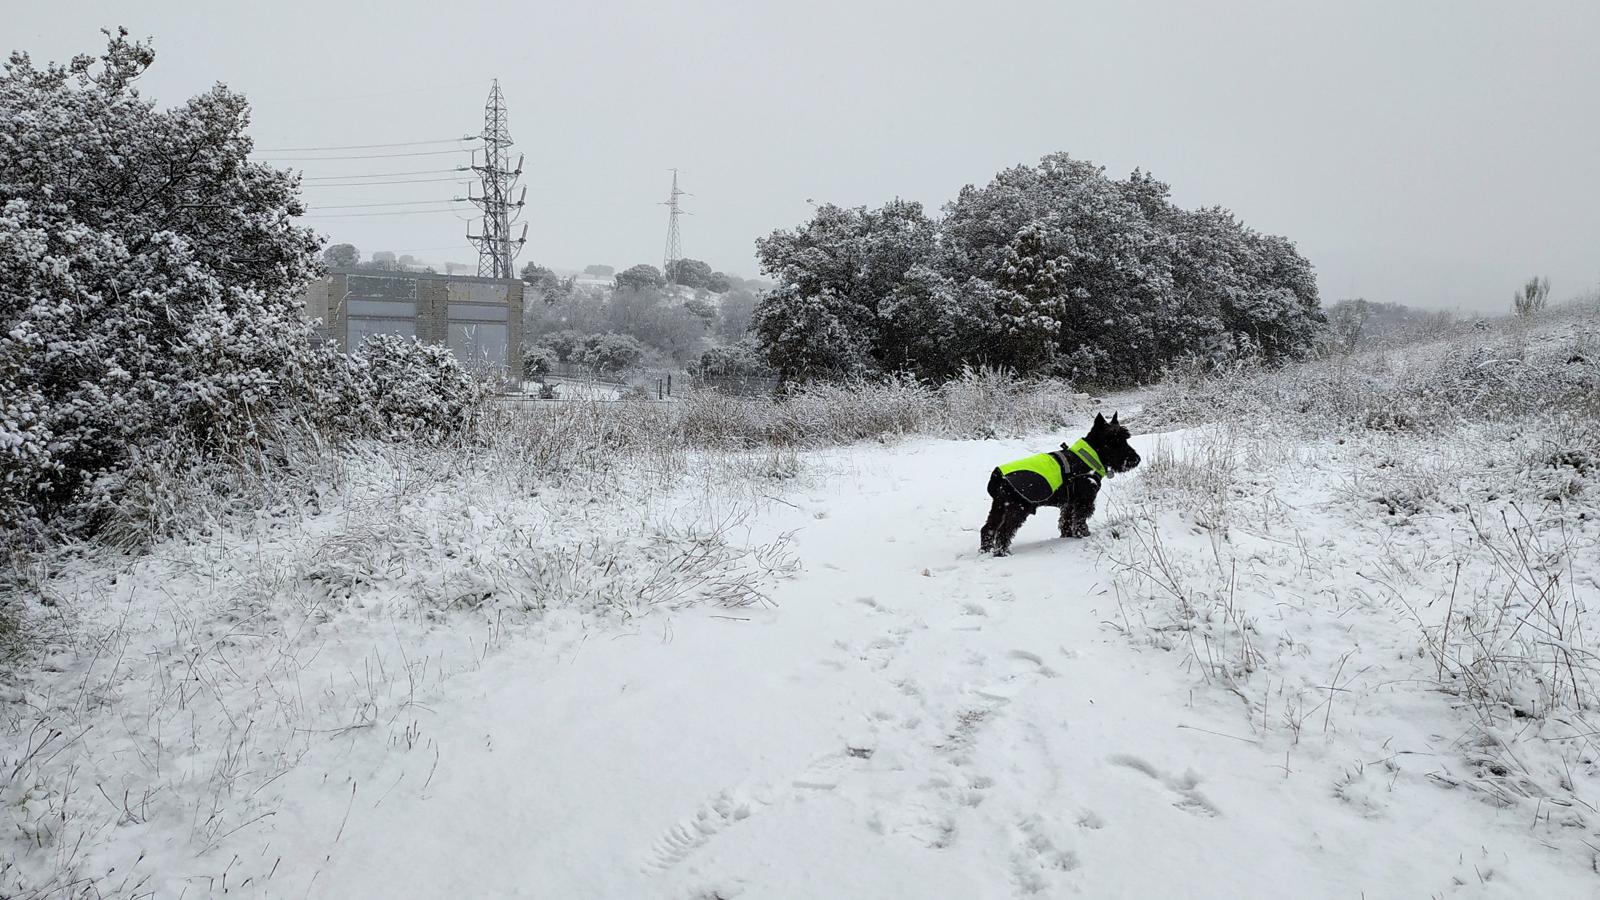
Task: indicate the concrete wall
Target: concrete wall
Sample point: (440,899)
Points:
(354,303)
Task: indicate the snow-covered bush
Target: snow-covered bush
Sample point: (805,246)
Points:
(741,360)
(611,353)
(538,361)
(566,344)
(147,277)
(148,281)
(412,389)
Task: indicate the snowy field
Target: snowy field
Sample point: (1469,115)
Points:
(793,676)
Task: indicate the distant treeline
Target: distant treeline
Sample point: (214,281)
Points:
(639,321)
(1364,324)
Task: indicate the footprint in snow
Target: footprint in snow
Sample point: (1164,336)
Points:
(1186,787)
(692,833)
(872,603)
(1036,860)
(1024,666)
(722,889)
(971,617)
(732,806)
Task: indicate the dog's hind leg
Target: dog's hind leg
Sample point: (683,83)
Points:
(1011,519)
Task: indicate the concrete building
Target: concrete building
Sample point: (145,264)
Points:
(479,319)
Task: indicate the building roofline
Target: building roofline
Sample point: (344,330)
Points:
(435,276)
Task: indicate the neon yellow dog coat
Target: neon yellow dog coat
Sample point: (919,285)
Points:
(1036,477)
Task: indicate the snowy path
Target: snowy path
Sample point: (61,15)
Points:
(910,721)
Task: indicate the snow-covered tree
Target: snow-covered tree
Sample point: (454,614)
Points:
(612,353)
(930,326)
(811,336)
(640,276)
(149,275)
(702,308)
(734,311)
(341,256)
(1060,268)
(834,273)
(148,271)
(546,284)
(1032,300)
(689,273)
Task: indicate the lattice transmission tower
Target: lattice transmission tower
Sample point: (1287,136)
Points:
(497,249)
(674,240)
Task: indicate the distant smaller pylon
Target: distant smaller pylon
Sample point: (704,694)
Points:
(674,241)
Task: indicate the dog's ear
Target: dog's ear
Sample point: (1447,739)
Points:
(1114,418)
(1099,420)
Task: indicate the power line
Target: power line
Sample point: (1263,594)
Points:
(428,249)
(403,212)
(381,174)
(470,137)
(334,184)
(324,98)
(394,203)
(367,156)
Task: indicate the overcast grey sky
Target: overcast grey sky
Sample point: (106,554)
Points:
(1433,153)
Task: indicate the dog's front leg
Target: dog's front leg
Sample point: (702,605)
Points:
(1076,511)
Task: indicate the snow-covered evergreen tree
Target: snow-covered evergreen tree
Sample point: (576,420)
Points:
(1060,268)
(930,326)
(825,317)
(148,281)
(1033,299)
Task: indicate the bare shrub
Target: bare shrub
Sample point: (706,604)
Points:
(1532,297)
(1456,500)
(1497,374)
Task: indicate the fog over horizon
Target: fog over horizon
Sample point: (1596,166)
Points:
(1430,153)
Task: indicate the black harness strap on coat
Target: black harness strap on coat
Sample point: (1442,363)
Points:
(1073,470)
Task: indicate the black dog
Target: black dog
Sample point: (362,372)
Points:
(1068,478)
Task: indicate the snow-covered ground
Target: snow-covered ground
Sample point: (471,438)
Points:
(574,390)
(391,711)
